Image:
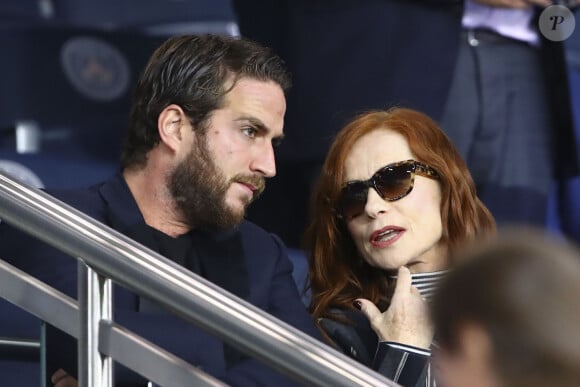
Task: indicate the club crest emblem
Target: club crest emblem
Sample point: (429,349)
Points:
(95,68)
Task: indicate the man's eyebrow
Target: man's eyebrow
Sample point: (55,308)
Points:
(260,126)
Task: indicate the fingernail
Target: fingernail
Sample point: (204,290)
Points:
(357,304)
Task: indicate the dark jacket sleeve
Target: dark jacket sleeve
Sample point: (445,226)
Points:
(406,368)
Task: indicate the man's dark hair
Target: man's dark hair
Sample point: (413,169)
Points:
(194,72)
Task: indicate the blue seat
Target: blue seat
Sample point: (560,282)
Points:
(55,172)
(17,12)
(300,273)
(19,366)
(75,84)
(161,17)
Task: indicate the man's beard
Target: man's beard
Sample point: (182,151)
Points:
(199,188)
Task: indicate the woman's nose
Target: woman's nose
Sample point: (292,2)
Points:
(375,204)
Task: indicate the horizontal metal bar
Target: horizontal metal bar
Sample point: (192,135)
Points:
(154,363)
(23,343)
(39,299)
(123,345)
(15,348)
(192,297)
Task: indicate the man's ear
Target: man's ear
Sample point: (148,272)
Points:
(171,124)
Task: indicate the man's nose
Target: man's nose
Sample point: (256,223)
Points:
(264,161)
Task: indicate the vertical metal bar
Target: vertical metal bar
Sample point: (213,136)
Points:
(95,303)
(43,354)
(84,365)
(106,314)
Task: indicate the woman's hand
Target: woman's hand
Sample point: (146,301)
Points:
(407,319)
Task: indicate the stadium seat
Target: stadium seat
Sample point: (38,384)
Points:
(157,17)
(300,273)
(73,84)
(55,172)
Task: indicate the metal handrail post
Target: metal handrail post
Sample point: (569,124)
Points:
(95,304)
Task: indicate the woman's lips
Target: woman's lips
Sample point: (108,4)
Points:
(386,236)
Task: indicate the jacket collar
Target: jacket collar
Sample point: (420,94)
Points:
(221,253)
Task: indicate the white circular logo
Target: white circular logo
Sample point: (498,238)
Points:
(95,68)
(557,23)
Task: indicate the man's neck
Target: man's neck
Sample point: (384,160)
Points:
(149,189)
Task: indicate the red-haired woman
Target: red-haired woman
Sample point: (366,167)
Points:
(394,199)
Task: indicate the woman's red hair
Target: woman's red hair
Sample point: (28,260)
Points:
(337,274)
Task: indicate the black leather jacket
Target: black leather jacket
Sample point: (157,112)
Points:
(359,341)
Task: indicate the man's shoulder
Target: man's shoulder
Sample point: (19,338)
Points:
(87,200)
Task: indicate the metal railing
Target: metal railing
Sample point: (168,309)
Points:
(110,255)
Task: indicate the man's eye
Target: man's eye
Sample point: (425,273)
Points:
(250,132)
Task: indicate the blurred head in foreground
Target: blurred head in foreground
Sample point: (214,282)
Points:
(510,315)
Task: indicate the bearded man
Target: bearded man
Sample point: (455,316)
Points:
(206,115)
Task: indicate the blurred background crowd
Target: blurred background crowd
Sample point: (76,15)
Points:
(510,103)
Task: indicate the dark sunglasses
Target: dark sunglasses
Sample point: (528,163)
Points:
(392,182)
